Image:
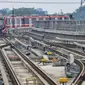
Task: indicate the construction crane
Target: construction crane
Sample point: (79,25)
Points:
(82,1)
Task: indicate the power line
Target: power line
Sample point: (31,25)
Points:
(40,2)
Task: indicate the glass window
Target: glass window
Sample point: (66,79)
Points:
(23,21)
(17,21)
(8,21)
(26,20)
(13,21)
(40,18)
(33,19)
(1,21)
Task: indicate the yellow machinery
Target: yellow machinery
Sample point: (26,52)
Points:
(63,80)
(49,53)
(43,60)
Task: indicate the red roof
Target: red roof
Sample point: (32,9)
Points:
(58,16)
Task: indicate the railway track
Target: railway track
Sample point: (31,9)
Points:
(40,72)
(45,79)
(79,60)
(75,52)
(5,75)
(54,44)
(78,80)
(19,67)
(72,50)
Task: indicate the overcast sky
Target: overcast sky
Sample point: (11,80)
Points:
(51,8)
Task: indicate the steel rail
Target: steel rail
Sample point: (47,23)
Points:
(10,68)
(24,62)
(3,73)
(36,68)
(82,67)
(43,81)
(78,80)
(75,51)
(70,49)
(42,73)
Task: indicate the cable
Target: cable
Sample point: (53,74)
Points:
(40,2)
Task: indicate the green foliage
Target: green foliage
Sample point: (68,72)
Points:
(4,11)
(79,14)
(23,11)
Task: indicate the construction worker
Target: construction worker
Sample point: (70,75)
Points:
(54,60)
(43,60)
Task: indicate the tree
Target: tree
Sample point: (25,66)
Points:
(79,13)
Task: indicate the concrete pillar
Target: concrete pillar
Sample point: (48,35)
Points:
(10,22)
(30,22)
(20,22)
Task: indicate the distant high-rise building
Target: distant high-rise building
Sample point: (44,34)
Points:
(39,9)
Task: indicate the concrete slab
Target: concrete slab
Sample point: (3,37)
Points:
(83,83)
(37,51)
(21,71)
(55,72)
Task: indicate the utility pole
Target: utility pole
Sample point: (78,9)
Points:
(82,1)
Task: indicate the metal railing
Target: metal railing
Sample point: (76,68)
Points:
(66,25)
